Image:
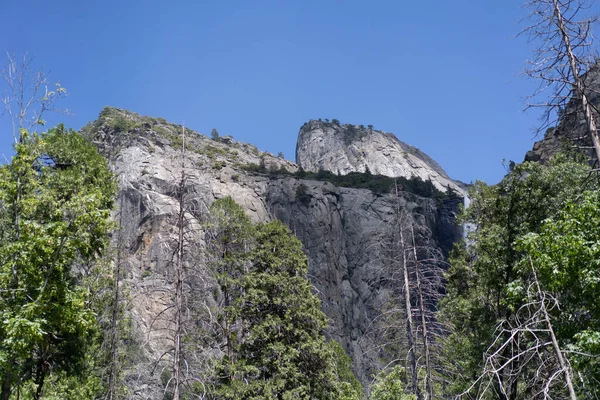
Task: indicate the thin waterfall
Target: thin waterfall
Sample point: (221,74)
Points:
(467,227)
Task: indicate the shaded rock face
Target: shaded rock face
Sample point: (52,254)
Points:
(350,148)
(571,130)
(341,229)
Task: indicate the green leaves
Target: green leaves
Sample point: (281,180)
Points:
(282,321)
(389,386)
(55,202)
(566,254)
(542,211)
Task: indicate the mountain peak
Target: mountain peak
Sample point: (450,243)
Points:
(344,148)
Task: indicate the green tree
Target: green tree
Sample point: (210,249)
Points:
(565,258)
(481,299)
(230,235)
(350,387)
(55,201)
(282,353)
(390,387)
(214,134)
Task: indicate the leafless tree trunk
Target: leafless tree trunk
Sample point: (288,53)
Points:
(565,368)
(428,377)
(114,323)
(409,320)
(541,360)
(179,277)
(563,53)
(411,281)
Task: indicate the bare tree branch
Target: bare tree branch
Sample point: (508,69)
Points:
(28,95)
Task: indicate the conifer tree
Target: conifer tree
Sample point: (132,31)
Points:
(229,239)
(281,352)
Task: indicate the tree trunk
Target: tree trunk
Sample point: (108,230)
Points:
(6,387)
(41,376)
(409,321)
(579,87)
(179,278)
(561,360)
(114,326)
(429,383)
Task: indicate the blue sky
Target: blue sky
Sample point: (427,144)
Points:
(442,75)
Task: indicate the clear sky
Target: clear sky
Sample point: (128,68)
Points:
(440,74)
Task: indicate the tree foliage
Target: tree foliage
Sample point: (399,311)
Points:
(282,352)
(489,299)
(390,386)
(270,322)
(55,201)
(350,387)
(566,254)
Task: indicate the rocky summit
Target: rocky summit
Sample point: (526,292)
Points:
(344,148)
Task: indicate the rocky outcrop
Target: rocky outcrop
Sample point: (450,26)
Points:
(341,229)
(571,131)
(346,148)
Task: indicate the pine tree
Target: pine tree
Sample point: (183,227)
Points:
(229,238)
(281,352)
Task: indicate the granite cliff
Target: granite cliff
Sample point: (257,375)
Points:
(570,131)
(341,228)
(344,148)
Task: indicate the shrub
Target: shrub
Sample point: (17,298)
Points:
(302,194)
(122,124)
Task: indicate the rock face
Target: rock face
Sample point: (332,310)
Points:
(351,148)
(571,129)
(341,229)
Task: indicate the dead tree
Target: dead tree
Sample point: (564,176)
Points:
(541,359)
(422,311)
(184,363)
(29,94)
(412,277)
(561,60)
(428,266)
(179,278)
(116,300)
(410,328)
